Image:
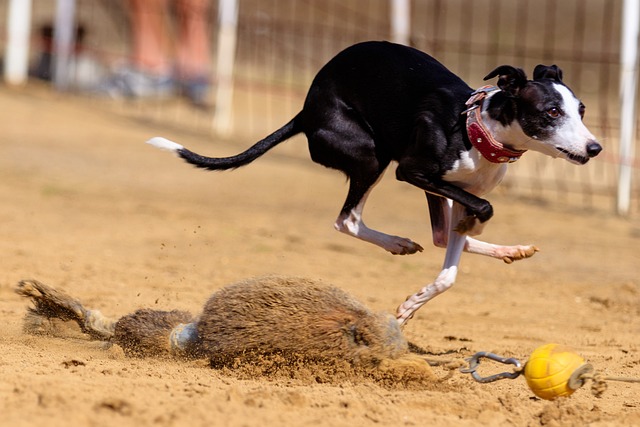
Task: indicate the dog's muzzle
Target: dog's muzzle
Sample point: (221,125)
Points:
(593,149)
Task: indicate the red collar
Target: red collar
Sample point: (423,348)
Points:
(480,137)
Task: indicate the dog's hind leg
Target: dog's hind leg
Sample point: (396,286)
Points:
(350,221)
(440,215)
(439,211)
(447,277)
(343,140)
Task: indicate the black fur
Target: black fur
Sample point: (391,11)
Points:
(544,72)
(376,102)
(526,101)
(373,103)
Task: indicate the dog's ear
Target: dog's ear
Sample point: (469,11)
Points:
(502,107)
(545,72)
(510,79)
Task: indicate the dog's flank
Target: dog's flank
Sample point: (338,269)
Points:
(378,102)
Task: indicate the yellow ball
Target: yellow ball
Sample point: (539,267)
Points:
(549,369)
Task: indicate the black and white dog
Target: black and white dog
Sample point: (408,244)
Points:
(377,102)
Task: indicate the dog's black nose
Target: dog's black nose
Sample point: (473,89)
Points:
(593,149)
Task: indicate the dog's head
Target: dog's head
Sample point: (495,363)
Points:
(545,110)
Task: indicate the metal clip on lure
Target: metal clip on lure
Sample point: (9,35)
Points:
(551,371)
(474,362)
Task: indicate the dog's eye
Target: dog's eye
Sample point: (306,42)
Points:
(553,112)
(581,110)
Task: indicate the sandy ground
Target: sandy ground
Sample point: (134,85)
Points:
(89,208)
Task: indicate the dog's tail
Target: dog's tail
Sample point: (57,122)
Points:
(223,163)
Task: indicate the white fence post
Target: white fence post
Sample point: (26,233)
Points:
(16,68)
(64,34)
(628,100)
(227,34)
(401,21)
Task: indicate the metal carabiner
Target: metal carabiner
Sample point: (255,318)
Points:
(474,362)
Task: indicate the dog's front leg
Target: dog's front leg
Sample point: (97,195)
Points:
(506,253)
(440,214)
(476,211)
(447,277)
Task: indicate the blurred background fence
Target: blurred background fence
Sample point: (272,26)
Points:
(282,43)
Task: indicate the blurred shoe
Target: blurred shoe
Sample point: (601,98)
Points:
(129,82)
(196,90)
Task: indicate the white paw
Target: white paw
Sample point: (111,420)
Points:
(519,252)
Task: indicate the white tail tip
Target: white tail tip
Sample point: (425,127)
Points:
(164,144)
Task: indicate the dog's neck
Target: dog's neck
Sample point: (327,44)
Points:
(487,135)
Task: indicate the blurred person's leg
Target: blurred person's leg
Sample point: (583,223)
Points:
(151,43)
(148,72)
(193,54)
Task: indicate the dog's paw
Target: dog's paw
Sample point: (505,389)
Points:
(401,246)
(516,253)
(470,225)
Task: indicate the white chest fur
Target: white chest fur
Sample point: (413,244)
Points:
(475,174)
